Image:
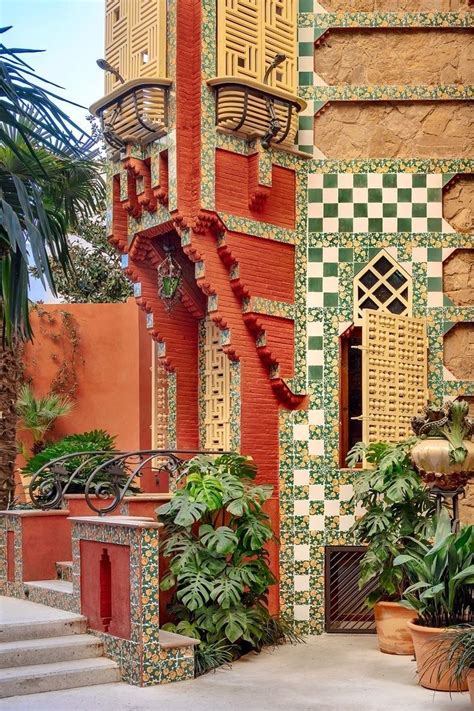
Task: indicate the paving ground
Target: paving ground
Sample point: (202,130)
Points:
(336,672)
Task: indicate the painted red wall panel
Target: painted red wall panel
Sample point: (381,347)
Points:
(46,539)
(91,593)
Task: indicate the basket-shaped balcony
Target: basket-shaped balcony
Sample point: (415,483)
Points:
(256,110)
(135,112)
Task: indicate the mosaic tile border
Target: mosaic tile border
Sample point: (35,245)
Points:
(326,20)
(386,93)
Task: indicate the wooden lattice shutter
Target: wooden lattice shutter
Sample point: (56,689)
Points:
(394,375)
(251,33)
(216,391)
(135,39)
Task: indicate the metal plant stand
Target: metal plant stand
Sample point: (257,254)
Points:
(449,496)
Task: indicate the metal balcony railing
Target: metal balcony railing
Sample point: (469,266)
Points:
(254,109)
(135,112)
(114,475)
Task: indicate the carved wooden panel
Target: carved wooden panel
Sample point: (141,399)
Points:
(159,403)
(394,375)
(251,33)
(135,39)
(216,391)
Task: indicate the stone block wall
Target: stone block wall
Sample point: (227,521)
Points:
(395,56)
(383,129)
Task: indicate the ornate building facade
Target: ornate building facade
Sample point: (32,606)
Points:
(307,172)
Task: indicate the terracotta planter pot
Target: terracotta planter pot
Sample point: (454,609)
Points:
(470,683)
(391,622)
(431,458)
(429,659)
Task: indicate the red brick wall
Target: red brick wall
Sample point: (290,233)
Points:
(232,193)
(266,266)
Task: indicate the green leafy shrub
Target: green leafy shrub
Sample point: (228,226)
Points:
(397,507)
(215,538)
(95,440)
(441,576)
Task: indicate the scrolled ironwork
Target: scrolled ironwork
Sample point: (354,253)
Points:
(112,477)
(52,481)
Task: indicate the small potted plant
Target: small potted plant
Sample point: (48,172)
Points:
(441,596)
(444,455)
(459,656)
(396,508)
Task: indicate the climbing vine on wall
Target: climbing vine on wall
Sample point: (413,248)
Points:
(61,328)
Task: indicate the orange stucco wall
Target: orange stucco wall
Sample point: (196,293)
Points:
(113,371)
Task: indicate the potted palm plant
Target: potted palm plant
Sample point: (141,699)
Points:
(38,414)
(397,507)
(440,595)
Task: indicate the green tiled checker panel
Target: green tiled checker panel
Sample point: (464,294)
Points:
(376,202)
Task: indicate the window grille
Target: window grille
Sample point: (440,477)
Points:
(382,285)
(346,611)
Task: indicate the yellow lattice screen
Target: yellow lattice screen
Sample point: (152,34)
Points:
(394,375)
(382,285)
(135,39)
(159,403)
(216,391)
(251,33)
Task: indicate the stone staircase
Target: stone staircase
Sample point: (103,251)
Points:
(45,649)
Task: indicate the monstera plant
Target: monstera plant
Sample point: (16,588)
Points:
(216,536)
(396,508)
(444,456)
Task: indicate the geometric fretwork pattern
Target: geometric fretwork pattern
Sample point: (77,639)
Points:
(135,39)
(216,391)
(382,285)
(159,404)
(394,375)
(251,33)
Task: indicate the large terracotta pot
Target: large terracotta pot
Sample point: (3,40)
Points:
(391,622)
(470,683)
(431,458)
(429,649)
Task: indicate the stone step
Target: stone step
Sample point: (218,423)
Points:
(171,640)
(66,625)
(19,681)
(64,570)
(62,586)
(28,652)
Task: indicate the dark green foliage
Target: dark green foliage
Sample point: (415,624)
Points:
(48,180)
(93,441)
(96,274)
(460,655)
(398,508)
(441,576)
(215,537)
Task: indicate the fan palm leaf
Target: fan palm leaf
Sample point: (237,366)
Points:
(48,182)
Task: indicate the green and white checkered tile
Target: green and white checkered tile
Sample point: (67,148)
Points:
(376,202)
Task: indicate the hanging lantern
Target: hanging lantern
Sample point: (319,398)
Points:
(169,281)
